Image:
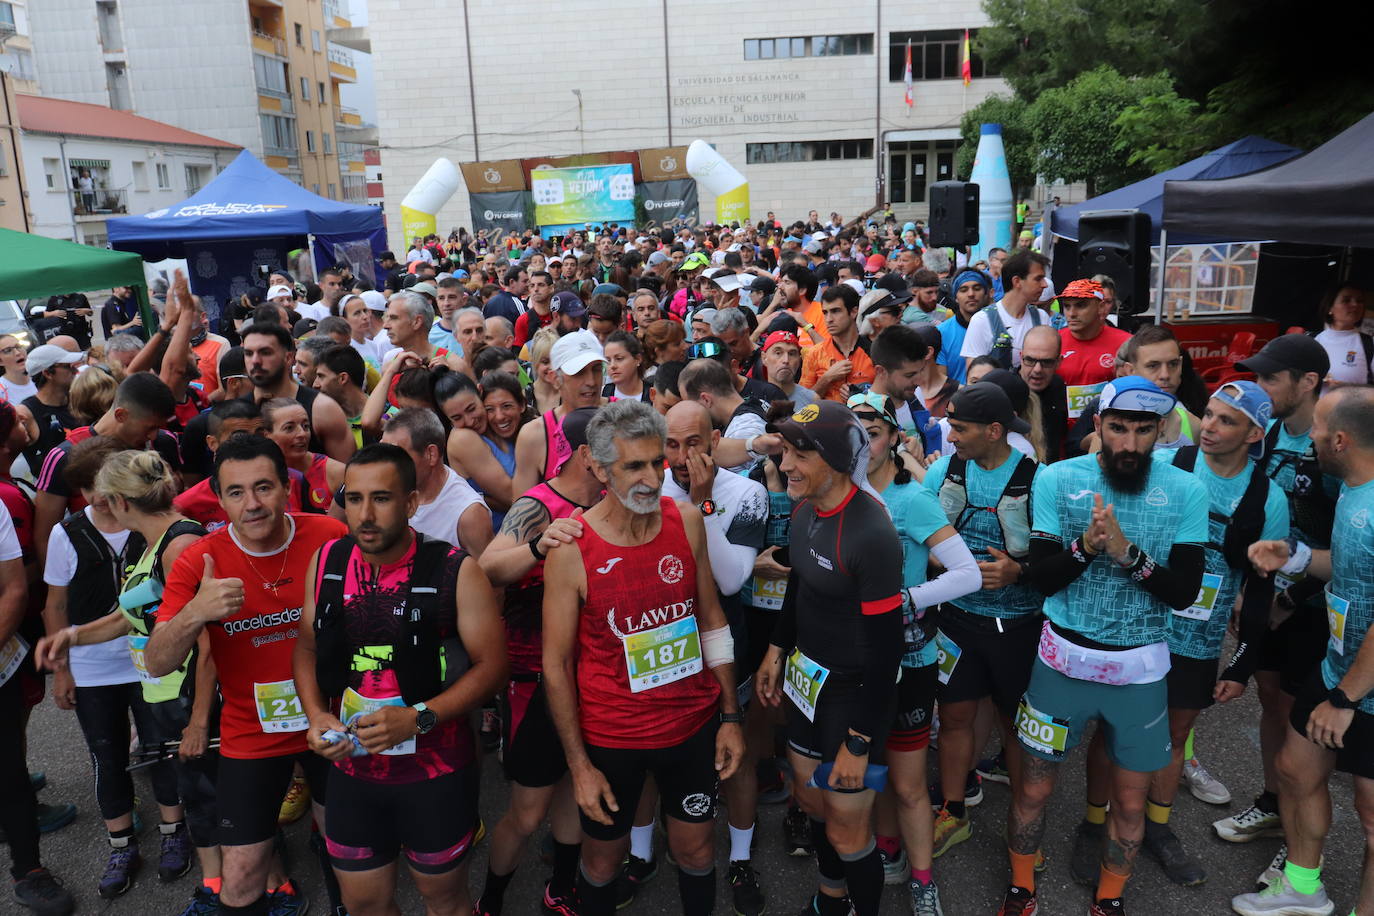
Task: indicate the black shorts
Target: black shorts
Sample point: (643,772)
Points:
(758,627)
(994,657)
(840,704)
(1357,757)
(685,774)
(531,753)
(249,793)
(915,705)
(1191,681)
(1295,649)
(368,823)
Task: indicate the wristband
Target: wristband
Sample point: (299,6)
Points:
(75,631)
(534,549)
(1300,557)
(732,718)
(718,647)
(1079,549)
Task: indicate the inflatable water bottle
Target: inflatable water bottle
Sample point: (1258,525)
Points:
(995,202)
(716,176)
(432,191)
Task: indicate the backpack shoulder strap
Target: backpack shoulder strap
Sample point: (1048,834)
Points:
(1034,314)
(177,529)
(1368,342)
(1247,521)
(995,323)
(1185,458)
(1022,477)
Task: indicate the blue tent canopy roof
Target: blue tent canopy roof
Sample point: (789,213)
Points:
(1246,155)
(246,200)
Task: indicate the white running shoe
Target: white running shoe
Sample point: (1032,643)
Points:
(1203,785)
(1279,899)
(1253,823)
(1274,870)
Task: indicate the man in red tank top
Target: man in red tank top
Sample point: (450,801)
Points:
(638,661)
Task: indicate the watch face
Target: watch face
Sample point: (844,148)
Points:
(708,507)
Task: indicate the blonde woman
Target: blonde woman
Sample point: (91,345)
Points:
(545,391)
(91,394)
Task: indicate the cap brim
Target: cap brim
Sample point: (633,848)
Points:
(1018,425)
(580,362)
(1260,365)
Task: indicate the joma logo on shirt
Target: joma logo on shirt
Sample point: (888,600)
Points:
(657,617)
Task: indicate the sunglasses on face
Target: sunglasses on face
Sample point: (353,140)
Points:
(707,350)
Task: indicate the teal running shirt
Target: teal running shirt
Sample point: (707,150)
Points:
(1350,593)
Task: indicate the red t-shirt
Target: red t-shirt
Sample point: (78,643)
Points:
(262,716)
(1086,366)
(523,329)
(646,611)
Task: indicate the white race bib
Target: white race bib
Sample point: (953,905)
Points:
(138,645)
(1201,608)
(279,708)
(11,657)
(802,681)
(663,655)
(1336,609)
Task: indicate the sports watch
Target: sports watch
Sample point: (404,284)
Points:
(707,507)
(1337,698)
(856,745)
(425,719)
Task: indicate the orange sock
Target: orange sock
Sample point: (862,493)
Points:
(214,884)
(1110,885)
(286,888)
(1023,870)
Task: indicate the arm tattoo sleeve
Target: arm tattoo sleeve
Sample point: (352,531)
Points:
(526,520)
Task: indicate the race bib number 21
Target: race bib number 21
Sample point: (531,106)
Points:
(279,708)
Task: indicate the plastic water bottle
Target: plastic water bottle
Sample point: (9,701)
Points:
(875,777)
(995,203)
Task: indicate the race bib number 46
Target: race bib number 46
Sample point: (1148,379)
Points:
(663,655)
(279,709)
(1040,732)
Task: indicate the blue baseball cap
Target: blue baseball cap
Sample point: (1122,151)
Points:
(1251,400)
(1137,395)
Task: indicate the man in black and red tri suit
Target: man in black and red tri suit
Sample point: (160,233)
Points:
(639,664)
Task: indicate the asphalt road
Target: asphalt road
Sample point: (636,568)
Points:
(972,876)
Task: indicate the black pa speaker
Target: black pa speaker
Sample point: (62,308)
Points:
(1117,243)
(953,214)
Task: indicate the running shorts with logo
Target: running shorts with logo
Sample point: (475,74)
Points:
(1356,754)
(368,823)
(915,710)
(984,656)
(250,790)
(532,754)
(684,773)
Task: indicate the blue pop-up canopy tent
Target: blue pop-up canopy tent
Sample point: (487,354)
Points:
(1246,155)
(240,227)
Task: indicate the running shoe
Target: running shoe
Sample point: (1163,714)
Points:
(296,802)
(925,899)
(120,870)
(1108,906)
(773,788)
(973,792)
(287,901)
(895,870)
(745,893)
(1164,847)
(950,831)
(1019,902)
(41,892)
(634,875)
(204,902)
(1253,823)
(796,833)
(1279,899)
(1274,869)
(1203,785)
(994,769)
(564,904)
(55,817)
(38,780)
(1086,858)
(175,853)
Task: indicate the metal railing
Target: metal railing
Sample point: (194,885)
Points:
(98,202)
(341,56)
(278,44)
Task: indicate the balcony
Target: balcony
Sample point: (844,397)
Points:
(269,44)
(341,65)
(99,203)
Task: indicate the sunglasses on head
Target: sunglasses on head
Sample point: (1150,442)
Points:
(707,350)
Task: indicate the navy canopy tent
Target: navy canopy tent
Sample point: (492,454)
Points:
(247,200)
(1248,154)
(1324,198)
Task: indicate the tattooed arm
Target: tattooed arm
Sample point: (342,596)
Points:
(508,556)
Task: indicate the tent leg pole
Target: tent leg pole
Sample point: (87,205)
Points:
(1159,293)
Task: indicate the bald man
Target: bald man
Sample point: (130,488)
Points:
(735,510)
(1039,362)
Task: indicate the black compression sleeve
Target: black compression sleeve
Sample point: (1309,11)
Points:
(1178,583)
(883,634)
(785,629)
(1052,565)
(1256,598)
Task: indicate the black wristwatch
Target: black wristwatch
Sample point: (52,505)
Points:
(856,745)
(1132,557)
(732,718)
(1337,698)
(707,506)
(425,719)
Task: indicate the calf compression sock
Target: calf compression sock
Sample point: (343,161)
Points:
(697,890)
(493,895)
(863,877)
(565,857)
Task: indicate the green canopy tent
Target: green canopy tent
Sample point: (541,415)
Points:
(34,267)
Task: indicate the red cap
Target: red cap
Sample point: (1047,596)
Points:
(1083,289)
(875,262)
(778,337)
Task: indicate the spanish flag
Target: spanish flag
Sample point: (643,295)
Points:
(966,66)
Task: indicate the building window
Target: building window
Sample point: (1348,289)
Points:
(315,188)
(278,135)
(310,141)
(164,177)
(270,74)
(7,14)
(300,35)
(323,96)
(808,46)
(808,151)
(328,143)
(934,55)
(315,39)
(140,176)
(51,167)
(333,192)
(305,89)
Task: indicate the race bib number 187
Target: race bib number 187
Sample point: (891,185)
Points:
(663,655)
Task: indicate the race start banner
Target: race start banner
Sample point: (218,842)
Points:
(594,194)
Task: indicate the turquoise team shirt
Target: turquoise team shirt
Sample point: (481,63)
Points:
(1282,468)
(982,530)
(1198,631)
(1104,603)
(1350,593)
(916,515)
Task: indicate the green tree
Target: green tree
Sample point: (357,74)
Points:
(1160,132)
(1074,128)
(1016,137)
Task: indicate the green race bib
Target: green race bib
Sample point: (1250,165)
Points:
(663,655)
(1201,608)
(279,708)
(946,656)
(1336,609)
(354,704)
(802,682)
(1040,732)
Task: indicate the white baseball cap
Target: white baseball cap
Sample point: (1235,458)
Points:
(49,355)
(280,290)
(375,300)
(575,352)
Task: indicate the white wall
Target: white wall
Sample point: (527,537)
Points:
(52,208)
(525,66)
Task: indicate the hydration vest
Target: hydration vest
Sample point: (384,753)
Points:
(1001,337)
(1245,524)
(1013,507)
(1311,509)
(94,589)
(424,664)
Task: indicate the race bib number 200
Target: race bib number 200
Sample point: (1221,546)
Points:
(1041,732)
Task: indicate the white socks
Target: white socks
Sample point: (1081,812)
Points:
(740,840)
(642,842)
